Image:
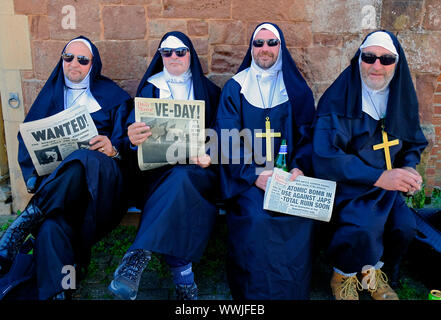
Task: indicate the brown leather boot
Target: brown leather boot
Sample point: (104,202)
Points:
(345,288)
(380,289)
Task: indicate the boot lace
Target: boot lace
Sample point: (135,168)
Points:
(349,287)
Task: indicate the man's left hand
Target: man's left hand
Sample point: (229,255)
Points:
(295,173)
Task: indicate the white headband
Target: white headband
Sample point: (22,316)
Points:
(381,39)
(83,41)
(269,27)
(172,42)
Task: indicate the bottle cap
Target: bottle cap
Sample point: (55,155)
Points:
(435,295)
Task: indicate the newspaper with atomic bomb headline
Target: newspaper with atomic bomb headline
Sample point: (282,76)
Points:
(304,197)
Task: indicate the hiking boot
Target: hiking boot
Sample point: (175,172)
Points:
(16,234)
(126,278)
(381,289)
(186,292)
(344,287)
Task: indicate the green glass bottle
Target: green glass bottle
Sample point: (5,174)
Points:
(281,157)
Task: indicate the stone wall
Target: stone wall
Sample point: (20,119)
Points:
(322,36)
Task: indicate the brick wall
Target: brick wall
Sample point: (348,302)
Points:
(433,167)
(322,36)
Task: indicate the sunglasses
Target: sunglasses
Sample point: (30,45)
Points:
(167,52)
(258,43)
(68,57)
(385,60)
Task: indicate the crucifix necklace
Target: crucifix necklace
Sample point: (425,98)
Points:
(386,143)
(272,90)
(268,134)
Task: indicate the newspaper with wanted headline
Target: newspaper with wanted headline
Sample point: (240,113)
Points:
(177,128)
(50,140)
(304,197)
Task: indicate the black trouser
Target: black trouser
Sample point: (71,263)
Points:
(64,200)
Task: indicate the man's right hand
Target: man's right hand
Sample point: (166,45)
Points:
(263,179)
(399,180)
(138,132)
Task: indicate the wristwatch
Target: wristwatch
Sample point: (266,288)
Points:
(117,155)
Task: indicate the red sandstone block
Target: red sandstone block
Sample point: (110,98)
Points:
(85,19)
(425,88)
(140,2)
(318,64)
(422,51)
(297,34)
(226,32)
(200,45)
(30,6)
(158,27)
(432,19)
(327,40)
(123,59)
(210,9)
(39,27)
(197,28)
(155,9)
(401,15)
(437,110)
(204,64)
(227,58)
(27,74)
(124,22)
(437,98)
(31,89)
(46,55)
(152,47)
(275,10)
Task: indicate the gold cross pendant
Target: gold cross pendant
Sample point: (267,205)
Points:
(268,135)
(385,145)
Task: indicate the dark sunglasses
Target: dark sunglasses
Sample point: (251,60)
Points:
(167,52)
(270,42)
(68,57)
(385,60)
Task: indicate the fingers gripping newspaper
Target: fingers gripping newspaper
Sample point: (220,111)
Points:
(177,128)
(304,197)
(50,140)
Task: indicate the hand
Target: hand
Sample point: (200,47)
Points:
(202,161)
(138,132)
(295,173)
(399,179)
(420,181)
(102,144)
(263,179)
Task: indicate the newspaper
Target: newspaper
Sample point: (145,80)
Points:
(304,197)
(177,128)
(50,140)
